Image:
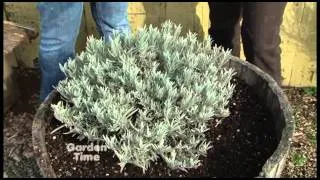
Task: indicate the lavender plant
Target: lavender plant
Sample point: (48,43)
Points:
(147,95)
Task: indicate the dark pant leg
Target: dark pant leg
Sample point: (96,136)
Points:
(225,25)
(260,35)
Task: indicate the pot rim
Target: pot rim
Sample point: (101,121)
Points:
(283,147)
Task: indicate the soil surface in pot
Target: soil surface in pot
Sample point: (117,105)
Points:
(241,143)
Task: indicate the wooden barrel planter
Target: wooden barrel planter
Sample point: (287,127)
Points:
(267,90)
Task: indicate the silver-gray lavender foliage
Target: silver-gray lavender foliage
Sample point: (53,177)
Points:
(147,95)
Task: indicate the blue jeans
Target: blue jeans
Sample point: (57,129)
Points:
(60,23)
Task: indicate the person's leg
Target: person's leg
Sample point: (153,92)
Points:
(260,35)
(225,25)
(110,16)
(59,27)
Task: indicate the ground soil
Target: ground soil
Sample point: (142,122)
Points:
(19,160)
(241,144)
(302,160)
(18,154)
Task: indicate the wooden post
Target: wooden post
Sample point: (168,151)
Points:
(14,34)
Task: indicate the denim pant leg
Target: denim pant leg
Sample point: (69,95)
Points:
(110,16)
(59,23)
(261,36)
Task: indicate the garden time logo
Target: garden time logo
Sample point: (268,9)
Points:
(79,150)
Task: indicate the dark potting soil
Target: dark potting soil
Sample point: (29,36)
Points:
(241,143)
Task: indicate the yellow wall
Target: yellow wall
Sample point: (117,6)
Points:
(298,31)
